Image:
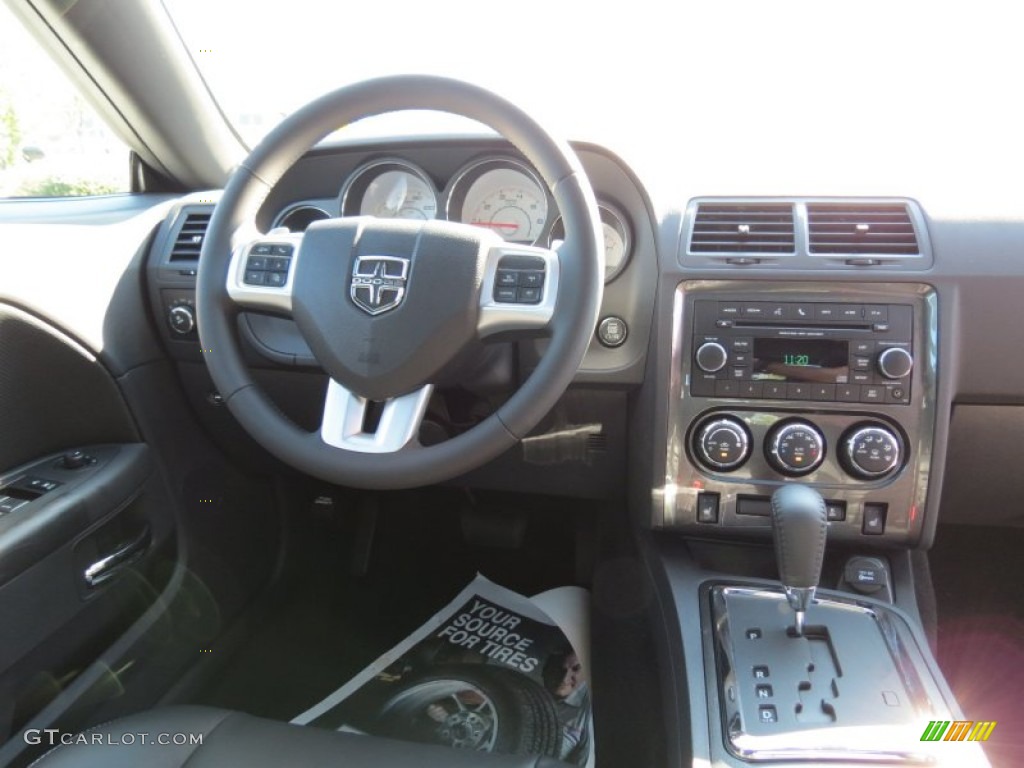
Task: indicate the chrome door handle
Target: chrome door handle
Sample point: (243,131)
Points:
(107,567)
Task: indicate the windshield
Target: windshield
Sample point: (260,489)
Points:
(873,92)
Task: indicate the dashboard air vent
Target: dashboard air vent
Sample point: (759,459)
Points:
(871,229)
(189,240)
(727,228)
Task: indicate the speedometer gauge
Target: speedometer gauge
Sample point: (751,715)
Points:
(617,243)
(501,195)
(390,189)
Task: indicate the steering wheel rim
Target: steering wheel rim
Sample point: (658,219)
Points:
(579,290)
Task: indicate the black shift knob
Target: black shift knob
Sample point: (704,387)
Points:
(799,526)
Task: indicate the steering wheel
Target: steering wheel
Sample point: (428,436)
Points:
(385,304)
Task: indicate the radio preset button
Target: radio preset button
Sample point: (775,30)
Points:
(775,390)
(727,388)
(848,393)
(752,389)
(798,391)
(823,391)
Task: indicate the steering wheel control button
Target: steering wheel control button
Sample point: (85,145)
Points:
(707,508)
(795,448)
(267,264)
(612,331)
(507,277)
(874,519)
(871,452)
(505,294)
(528,296)
(895,363)
(722,443)
(711,357)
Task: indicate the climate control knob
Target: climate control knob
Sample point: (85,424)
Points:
(871,451)
(711,357)
(722,443)
(182,319)
(795,448)
(895,363)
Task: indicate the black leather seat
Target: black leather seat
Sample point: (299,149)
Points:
(234,739)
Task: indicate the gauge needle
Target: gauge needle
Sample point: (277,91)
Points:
(496,224)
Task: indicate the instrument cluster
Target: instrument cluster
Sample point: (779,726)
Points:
(497,192)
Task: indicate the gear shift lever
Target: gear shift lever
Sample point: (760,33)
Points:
(798,527)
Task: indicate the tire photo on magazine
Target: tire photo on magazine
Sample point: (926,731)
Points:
(487,679)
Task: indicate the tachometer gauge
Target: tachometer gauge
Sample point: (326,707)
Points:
(389,189)
(617,242)
(501,195)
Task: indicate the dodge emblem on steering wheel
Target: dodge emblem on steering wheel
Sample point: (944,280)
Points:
(378,282)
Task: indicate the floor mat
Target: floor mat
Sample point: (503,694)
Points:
(331,623)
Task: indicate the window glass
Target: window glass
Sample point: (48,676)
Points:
(52,143)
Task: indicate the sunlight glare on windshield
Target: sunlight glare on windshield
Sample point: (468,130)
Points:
(874,92)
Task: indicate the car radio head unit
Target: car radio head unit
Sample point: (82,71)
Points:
(811,350)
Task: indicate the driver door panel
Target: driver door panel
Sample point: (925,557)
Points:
(57,523)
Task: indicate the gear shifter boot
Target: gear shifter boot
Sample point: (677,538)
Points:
(799,525)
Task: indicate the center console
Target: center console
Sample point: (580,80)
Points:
(802,413)
(831,384)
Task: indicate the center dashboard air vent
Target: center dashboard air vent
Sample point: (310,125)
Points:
(805,233)
(188,240)
(730,230)
(861,230)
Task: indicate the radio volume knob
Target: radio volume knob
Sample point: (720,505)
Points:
(895,363)
(711,357)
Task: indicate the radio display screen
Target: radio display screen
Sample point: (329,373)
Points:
(824,361)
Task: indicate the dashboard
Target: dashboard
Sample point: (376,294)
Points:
(742,342)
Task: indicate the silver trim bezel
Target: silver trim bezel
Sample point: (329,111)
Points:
(473,171)
(345,413)
(377,165)
(627,235)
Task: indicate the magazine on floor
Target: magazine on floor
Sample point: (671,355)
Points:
(492,671)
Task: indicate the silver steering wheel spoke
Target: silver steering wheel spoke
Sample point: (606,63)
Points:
(261,274)
(356,424)
(520,288)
